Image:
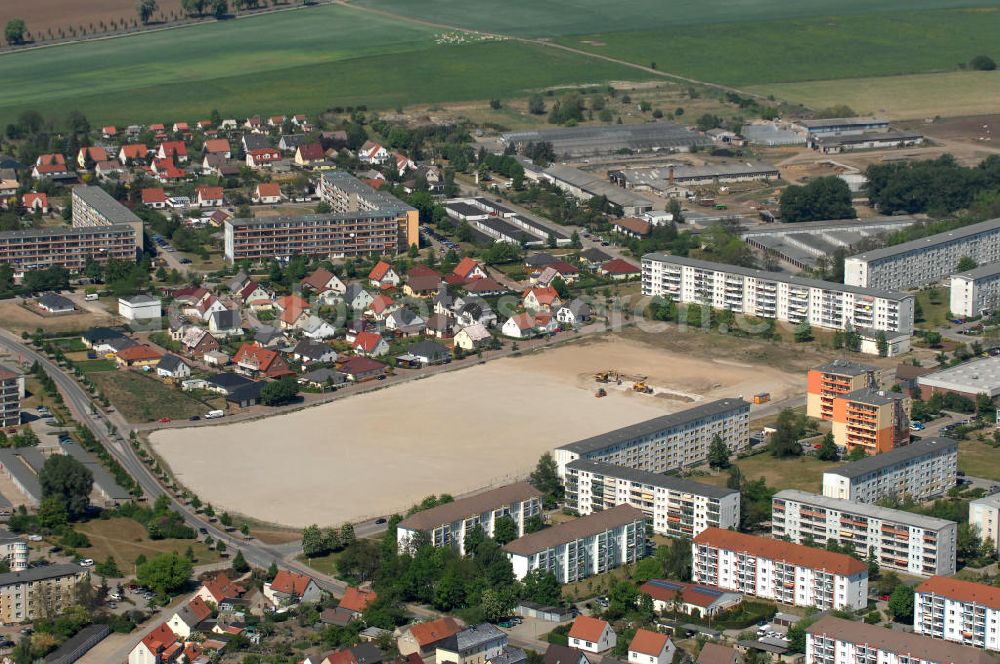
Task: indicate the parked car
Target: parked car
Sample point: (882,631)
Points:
(916,426)
(164,420)
(34,538)
(87,562)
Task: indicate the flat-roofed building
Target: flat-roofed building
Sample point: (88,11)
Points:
(609,139)
(779,571)
(71,248)
(574,550)
(918,471)
(925,260)
(969,379)
(663,178)
(984,516)
(832,640)
(911,543)
(975,292)
(363,222)
(831,380)
(11,390)
(14,550)
(771,295)
(843,126)
(958,610)
(38,592)
(447,524)
(666,442)
(584,186)
(674,506)
(875,420)
(94,207)
(866,141)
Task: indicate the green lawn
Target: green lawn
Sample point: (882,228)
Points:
(807,49)
(566,17)
(297,61)
(71,344)
(979,459)
(142,398)
(91,366)
(804,473)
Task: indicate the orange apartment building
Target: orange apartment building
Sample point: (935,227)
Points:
(876,420)
(831,379)
(363,222)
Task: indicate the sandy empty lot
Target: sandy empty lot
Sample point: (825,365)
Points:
(378,453)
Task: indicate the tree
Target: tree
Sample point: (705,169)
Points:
(718,453)
(347,536)
(14,33)
(933,339)
(240,565)
(497,603)
(52,514)
(279,392)
(882,344)
(674,208)
(108,568)
(146,9)
(545,477)
(822,198)
(789,429)
(226,520)
(220,8)
(803,332)
(901,604)
(504,530)
(677,560)
(827,449)
(67,480)
(542,587)
(165,573)
(313,544)
(533,524)
(536,105)
(966,263)
(797,638)
(982,63)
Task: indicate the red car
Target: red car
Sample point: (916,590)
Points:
(163,419)
(884,598)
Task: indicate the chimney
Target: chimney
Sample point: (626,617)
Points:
(670,174)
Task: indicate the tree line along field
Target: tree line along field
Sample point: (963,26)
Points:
(808,49)
(44,15)
(531,18)
(296,61)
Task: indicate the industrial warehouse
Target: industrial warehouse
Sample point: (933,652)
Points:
(584,141)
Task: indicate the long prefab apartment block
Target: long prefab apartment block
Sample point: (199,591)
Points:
(771,295)
(925,260)
(362,222)
(448,524)
(832,640)
(674,506)
(779,571)
(910,543)
(957,610)
(574,550)
(667,442)
(918,471)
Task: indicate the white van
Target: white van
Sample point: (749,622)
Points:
(212,414)
(90,297)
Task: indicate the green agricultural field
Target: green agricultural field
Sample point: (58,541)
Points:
(535,18)
(808,49)
(296,61)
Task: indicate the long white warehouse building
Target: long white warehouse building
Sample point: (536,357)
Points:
(666,442)
(911,543)
(926,260)
(675,507)
(778,296)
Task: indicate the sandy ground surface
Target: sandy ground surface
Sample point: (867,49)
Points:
(455,433)
(18,318)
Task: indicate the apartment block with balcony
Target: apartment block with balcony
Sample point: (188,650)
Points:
(955,610)
(95,208)
(782,297)
(779,571)
(832,640)
(833,379)
(42,248)
(919,471)
(38,592)
(925,260)
(667,442)
(11,391)
(675,507)
(903,541)
(975,292)
(874,420)
(984,516)
(448,524)
(574,550)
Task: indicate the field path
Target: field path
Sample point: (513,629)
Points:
(549,44)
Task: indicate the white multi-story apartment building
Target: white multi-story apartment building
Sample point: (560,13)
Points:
(674,506)
(667,442)
(448,524)
(576,549)
(38,592)
(94,207)
(11,391)
(956,610)
(832,640)
(14,550)
(976,291)
(911,543)
(778,296)
(919,471)
(984,516)
(926,260)
(779,571)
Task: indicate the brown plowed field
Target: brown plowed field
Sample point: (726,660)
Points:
(44,15)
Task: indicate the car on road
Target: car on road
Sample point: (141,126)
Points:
(916,425)
(605,244)
(379,521)
(87,562)
(163,420)
(203,531)
(34,538)
(185,261)
(194,418)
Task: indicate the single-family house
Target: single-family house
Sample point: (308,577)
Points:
(154,197)
(159,646)
(356,600)
(253,360)
(254,296)
(429,352)
(254,141)
(187,617)
(321,281)
(308,351)
(593,258)
(370,344)
(558,270)
(216,164)
(247,395)
(423,638)
(483,287)
(130,153)
(225,323)
(468,269)
(557,654)
(139,355)
(381,306)
(314,327)
(87,157)
(520,326)
(289,588)
(108,168)
(291,309)
(473,645)
(174,150)
(360,369)
(197,341)
(267,193)
(323,379)
(54,303)
(403,163)
(474,310)
(218,146)
(171,366)
(573,313)
(592,635)
(208,304)
(372,153)
(291,142)
(109,132)
(440,326)
(631,227)
(540,299)
(51,165)
(648,647)
(422,285)
(262,158)
(35,202)
(383,276)
(473,337)
(405,322)
(309,154)
(357,297)
(140,308)
(619,270)
(100,338)
(181,128)
(716,653)
(207,196)
(276,121)
(219,589)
